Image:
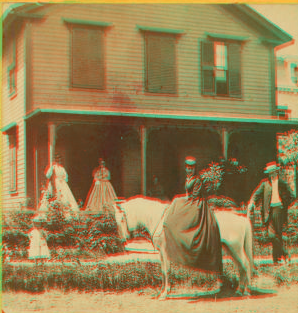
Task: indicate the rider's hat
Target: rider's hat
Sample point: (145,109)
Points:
(189,160)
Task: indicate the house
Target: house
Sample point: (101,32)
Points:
(141,85)
(287,104)
(287,86)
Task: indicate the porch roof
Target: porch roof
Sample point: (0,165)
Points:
(187,116)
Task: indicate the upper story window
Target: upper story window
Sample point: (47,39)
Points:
(294,73)
(160,63)
(221,68)
(87,57)
(11,70)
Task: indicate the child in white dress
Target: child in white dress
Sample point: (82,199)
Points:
(38,249)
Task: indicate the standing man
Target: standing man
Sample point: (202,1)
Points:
(275,197)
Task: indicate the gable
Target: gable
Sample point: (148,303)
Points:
(269,33)
(266,29)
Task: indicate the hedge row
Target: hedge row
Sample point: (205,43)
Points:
(99,277)
(82,232)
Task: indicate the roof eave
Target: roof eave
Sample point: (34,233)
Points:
(257,19)
(19,11)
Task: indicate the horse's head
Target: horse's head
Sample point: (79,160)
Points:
(121,221)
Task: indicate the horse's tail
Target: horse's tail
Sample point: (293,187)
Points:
(248,245)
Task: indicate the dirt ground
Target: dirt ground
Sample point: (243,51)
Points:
(265,298)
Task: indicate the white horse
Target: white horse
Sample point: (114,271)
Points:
(235,232)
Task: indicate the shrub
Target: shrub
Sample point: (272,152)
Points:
(15,239)
(97,277)
(292,231)
(86,234)
(21,220)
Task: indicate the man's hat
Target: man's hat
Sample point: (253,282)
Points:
(190,161)
(271,168)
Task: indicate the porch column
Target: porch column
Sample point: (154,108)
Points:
(36,182)
(143,135)
(51,142)
(225,134)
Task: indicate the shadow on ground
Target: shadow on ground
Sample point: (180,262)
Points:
(223,295)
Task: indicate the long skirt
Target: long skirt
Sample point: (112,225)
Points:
(192,235)
(101,198)
(62,193)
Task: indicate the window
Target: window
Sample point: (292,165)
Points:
(283,112)
(221,67)
(12,144)
(87,57)
(160,60)
(294,73)
(11,70)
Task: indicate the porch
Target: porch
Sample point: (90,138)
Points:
(136,148)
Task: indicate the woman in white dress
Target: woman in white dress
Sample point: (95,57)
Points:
(58,188)
(38,248)
(102,196)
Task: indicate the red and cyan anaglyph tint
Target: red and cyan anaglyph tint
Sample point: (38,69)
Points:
(149,152)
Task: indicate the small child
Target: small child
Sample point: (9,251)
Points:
(38,249)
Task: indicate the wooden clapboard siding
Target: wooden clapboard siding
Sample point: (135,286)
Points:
(124,60)
(13,111)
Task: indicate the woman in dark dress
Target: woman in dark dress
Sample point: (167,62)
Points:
(190,227)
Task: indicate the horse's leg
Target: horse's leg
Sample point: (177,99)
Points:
(248,249)
(159,244)
(236,250)
(162,271)
(165,274)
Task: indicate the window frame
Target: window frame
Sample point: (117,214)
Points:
(12,140)
(11,71)
(209,68)
(158,34)
(294,73)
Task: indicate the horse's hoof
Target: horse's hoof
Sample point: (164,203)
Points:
(162,296)
(246,293)
(242,293)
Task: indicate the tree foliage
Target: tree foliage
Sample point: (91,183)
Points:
(288,148)
(214,175)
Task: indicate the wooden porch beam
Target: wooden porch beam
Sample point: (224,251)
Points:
(143,135)
(225,142)
(51,142)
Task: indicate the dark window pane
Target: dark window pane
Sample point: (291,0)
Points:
(160,64)
(234,64)
(87,58)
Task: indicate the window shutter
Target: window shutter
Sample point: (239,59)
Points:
(87,58)
(153,51)
(207,63)
(161,64)
(12,162)
(234,68)
(168,61)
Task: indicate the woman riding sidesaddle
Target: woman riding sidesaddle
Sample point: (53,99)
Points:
(190,227)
